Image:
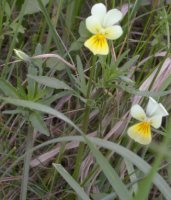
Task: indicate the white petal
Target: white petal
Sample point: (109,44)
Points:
(161,110)
(156,121)
(151,106)
(93,24)
(138,113)
(113,32)
(112,17)
(154,108)
(99,11)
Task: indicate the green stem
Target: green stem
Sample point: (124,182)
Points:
(85,121)
(14,39)
(27,159)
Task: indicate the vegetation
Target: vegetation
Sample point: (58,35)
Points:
(65,112)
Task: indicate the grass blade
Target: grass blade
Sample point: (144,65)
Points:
(107,169)
(50,82)
(142,165)
(146,184)
(136,160)
(80,192)
(39,107)
(38,123)
(110,173)
(8,89)
(25,178)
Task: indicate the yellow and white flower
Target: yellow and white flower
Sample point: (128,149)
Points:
(104,26)
(141,132)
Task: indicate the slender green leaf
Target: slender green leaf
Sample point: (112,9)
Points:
(25,178)
(33,6)
(31,86)
(81,74)
(111,196)
(136,160)
(23,56)
(50,82)
(130,63)
(136,6)
(55,35)
(38,123)
(145,93)
(80,192)
(8,89)
(107,169)
(80,70)
(40,107)
(142,165)
(120,58)
(110,173)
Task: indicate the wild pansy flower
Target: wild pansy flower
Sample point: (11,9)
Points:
(104,26)
(141,132)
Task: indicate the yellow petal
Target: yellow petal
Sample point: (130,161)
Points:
(97,44)
(141,132)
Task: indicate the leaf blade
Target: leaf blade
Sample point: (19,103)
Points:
(50,82)
(38,123)
(68,178)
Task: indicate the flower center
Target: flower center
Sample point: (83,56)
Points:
(144,127)
(99,39)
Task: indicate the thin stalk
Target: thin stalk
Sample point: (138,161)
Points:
(2,5)
(13,42)
(85,121)
(24,183)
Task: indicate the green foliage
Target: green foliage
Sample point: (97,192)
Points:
(50,82)
(23,56)
(53,86)
(38,123)
(33,6)
(71,182)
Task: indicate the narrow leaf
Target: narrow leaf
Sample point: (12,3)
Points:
(40,107)
(110,173)
(38,123)
(50,82)
(80,192)
(23,56)
(130,63)
(142,165)
(8,89)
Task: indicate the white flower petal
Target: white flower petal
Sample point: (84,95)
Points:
(113,32)
(93,24)
(156,121)
(112,17)
(99,11)
(154,108)
(161,110)
(138,113)
(151,107)
(140,132)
